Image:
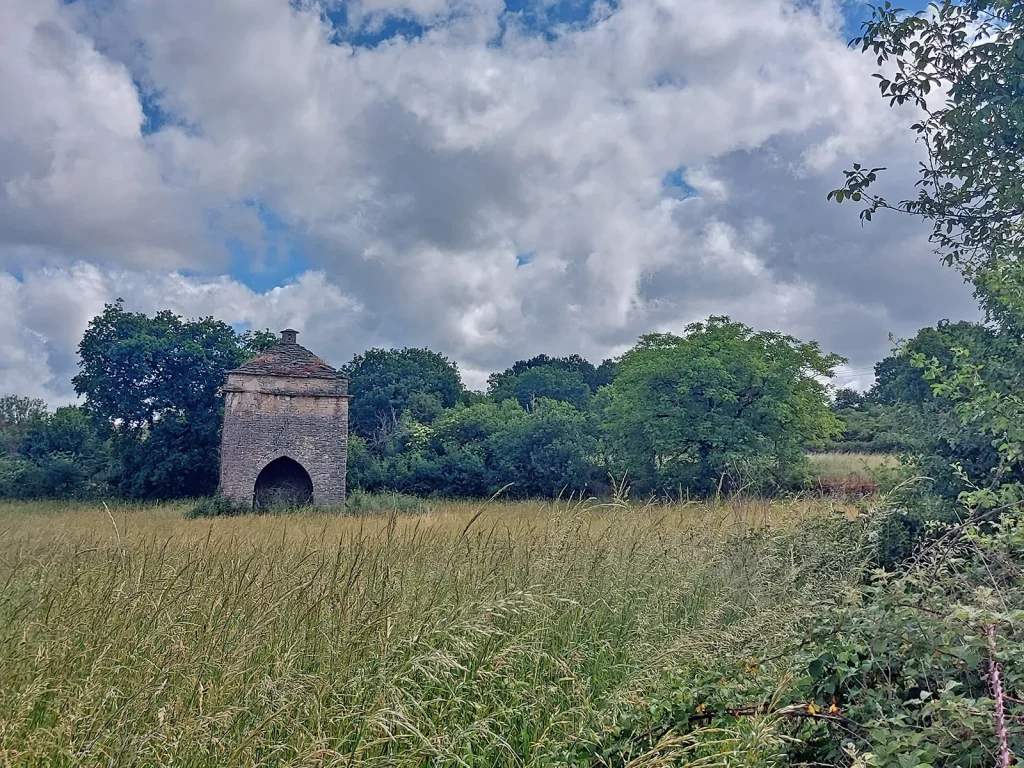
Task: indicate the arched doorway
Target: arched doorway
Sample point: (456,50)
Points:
(283,483)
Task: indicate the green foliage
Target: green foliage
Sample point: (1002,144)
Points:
(153,382)
(216,506)
(61,456)
(898,380)
(137,370)
(869,428)
(68,456)
(543,381)
(926,660)
(479,450)
(898,672)
(546,454)
(954,63)
(14,472)
(362,464)
(847,399)
(385,503)
(719,404)
(68,430)
(388,383)
(594,378)
(971,191)
(17,415)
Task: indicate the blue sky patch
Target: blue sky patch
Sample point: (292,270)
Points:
(549,20)
(278,258)
(155,115)
(857,12)
(380,29)
(675,184)
(522,259)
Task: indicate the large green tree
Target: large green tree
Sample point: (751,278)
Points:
(719,404)
(388,383)
(153,381)
(594,377)
(543,381)
(961,65)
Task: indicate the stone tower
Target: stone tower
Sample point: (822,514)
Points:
(285,430)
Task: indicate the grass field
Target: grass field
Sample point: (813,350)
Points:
(836,467)
(464,636)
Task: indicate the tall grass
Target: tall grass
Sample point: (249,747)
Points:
(467,636)
(837,465)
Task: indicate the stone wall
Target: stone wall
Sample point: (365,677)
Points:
(267,417)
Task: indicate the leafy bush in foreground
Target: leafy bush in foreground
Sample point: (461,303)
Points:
(918,668)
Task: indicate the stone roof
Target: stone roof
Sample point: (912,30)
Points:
(289,360)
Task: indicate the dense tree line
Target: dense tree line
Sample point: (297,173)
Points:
(718,407)
(910,412)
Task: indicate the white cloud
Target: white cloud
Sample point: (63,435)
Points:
(48,311)
(414,173)
(76,175)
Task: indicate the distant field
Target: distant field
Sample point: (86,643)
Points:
(836,467)
(465,636)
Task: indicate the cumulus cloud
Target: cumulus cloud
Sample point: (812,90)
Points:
(47,312)
(417,172)
(76,174)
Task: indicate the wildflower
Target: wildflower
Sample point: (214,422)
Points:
(812,709)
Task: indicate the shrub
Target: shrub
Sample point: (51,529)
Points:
(914,668)
(217,506)
(364,503)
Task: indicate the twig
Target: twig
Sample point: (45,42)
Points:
(995,681)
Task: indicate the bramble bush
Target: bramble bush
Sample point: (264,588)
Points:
(909,669)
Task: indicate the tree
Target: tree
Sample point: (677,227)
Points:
(60,456)
(69,430)
(458,458)
(543,381)
(719,403)
(971,191)
(846,398)
(17,415)
(480,449)
(388,382)
(153,382)
(595,378)
(868,426)
(960,64)
(896,378)
(549,453)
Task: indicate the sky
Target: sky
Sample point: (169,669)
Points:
(489,179)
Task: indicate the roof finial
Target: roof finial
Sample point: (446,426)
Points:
(288,336)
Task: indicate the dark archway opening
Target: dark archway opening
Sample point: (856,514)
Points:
(283,483)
